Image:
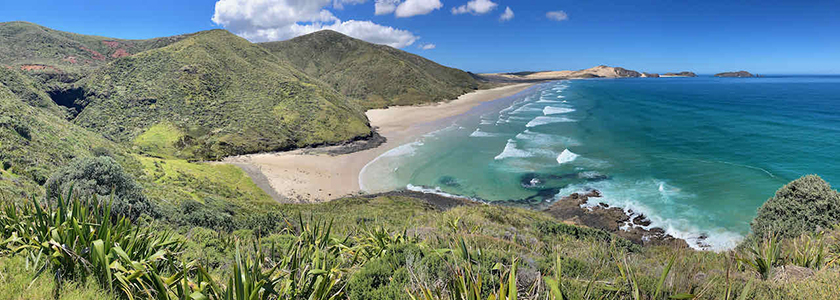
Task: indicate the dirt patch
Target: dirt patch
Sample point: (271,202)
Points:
(120,53)
(38,67)
(96,55)
(71,59)
(112,44)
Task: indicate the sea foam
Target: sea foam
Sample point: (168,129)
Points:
(543,120)
(566,157)
(551,110)
(511,151)
(479,133)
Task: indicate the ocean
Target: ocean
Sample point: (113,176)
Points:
(697,156)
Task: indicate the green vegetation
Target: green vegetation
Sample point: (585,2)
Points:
(226,95)
(102,176)
(804,205)
(127,215)
(469,252)
(376,76)
(54,53)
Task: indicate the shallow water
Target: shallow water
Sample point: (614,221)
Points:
(698,156)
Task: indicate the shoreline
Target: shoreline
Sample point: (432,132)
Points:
(328,173)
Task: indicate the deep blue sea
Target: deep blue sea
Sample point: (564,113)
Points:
(697,156)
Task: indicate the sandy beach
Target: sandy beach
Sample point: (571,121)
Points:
(313,176)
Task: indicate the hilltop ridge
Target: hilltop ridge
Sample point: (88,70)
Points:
(374,75)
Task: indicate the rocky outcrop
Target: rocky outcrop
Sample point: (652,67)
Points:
(680,74)
(611,219)
(742,74)
(650,75)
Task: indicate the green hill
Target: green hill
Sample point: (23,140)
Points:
(33,47)
(211,95)
(35,141)
(375,75)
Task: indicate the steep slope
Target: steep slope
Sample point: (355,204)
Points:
(28,90)
(374,75)
(34,142)
(214,94)
(33,47)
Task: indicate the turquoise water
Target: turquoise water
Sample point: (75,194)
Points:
(698,156)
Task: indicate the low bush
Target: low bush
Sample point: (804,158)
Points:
(102,176)
(802,206)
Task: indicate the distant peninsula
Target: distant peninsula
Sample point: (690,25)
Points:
(735,74)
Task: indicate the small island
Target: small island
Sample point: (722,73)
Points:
(735,74)
(680,74)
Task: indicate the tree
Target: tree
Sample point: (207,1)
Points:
(101,176)
(804,205)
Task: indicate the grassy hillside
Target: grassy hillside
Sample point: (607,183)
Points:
(375,75)
(34,141)
(390,247)
(39,49)
(211,95)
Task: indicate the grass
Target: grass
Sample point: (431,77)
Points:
(160,141)
(180,180)
(378,248)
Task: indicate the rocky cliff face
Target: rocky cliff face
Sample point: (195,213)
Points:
(735,74)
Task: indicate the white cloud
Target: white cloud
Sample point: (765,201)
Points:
(384,7)
(411,8)
(476,7)
(427,46)
(557,15)
(273,20)
(339,4)
(507,15)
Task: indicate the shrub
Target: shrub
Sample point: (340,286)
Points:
(801,206)
(101,176)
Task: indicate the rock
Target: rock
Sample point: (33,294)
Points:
(650,75)
(611,219)
(680,74)
(641,220)
(741,74)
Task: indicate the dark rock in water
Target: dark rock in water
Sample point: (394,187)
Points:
(641,220)
(449,181)
(735,74)
(604,205)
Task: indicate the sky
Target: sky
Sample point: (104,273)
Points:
(765,37)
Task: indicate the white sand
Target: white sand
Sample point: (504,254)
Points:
(300,177)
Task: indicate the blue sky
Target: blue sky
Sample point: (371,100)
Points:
(770,37)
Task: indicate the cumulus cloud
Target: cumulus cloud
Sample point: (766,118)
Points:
(272,20)
(476,7)
(411,8)
(507,15)
(384,7)
(557,15)
(427,46)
